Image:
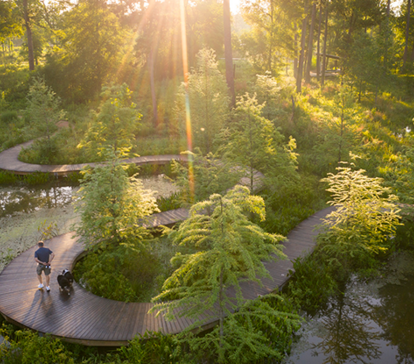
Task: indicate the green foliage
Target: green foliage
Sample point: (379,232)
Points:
(127,275)
(203,176)
(8,116)
(43,108)
(47,231)
(153,348)
(112,207)
(363,222)
(86,51)
(261,329)
(114,126)
(208,101)
(254,142)
(7,177)
(226,247)
(36,178)
(291,203)
(101,273)
(398,174)
(28,347)
(312,282)
(169,203)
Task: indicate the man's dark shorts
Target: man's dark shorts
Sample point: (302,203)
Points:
(42,268)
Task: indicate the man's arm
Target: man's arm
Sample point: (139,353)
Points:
(38,261)
(51,256)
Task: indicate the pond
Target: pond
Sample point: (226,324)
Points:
(369,323)
(23,209)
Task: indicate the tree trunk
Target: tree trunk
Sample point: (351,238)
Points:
(302,51)
(152,84)
(269,58)
(310,44)
(318,58)
(28,35)
(295,61)
(407,29)
(227,50)
(324,45)
(387,36)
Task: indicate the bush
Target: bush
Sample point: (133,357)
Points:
(311,283)
(28,347)
(7,178)
(9,116)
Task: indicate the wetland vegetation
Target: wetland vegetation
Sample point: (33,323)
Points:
(116,74)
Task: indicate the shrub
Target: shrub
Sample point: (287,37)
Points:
(7,177)
(28,347)
(8,116)
(311,282)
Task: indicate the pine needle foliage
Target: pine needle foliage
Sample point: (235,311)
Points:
(114,126)
(44,113)
(365,218)
(226,249)
(210,174)
(254,142)
(208,101)
(111,206)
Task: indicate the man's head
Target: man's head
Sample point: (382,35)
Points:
(40,244)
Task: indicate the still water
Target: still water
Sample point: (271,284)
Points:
(369,323)
(15,200)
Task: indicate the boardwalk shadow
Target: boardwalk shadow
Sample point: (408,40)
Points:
(42,306)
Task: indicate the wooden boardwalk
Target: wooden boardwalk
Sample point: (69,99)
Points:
(9,162)
(91,320)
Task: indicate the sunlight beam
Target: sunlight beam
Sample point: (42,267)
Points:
(187,100)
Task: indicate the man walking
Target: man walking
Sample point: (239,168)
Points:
(43,258)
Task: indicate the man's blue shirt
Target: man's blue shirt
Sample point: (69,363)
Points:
(43,254)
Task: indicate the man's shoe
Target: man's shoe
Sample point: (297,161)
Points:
(48,288)
(40,286)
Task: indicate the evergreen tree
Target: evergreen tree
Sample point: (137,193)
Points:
(113,128)
(226,248)
(44,112)
(254,142)
(112,207)
(208,99)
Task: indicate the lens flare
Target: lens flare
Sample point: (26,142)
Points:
(187,100)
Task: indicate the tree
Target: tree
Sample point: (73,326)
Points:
(43,109)
(364,221)
(253,142)
(112,207)
(86,54)
(208,99)
(227,248)
(113,128)
(9,25)
(211,175)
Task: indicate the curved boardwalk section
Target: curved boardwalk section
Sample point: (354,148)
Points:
(91,320)
(9,162)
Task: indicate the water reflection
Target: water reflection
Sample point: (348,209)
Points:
(366,324)
(15,200)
